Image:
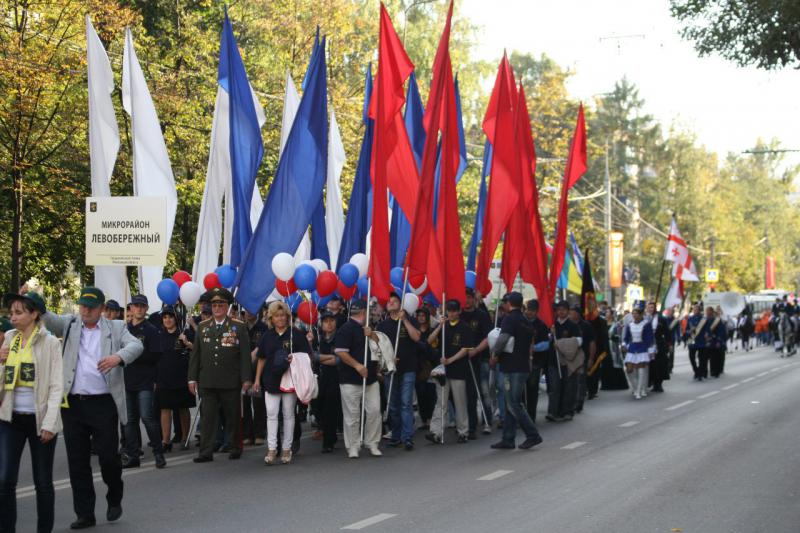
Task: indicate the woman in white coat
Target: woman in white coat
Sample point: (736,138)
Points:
(30,400)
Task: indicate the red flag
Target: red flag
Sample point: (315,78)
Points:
(446,257)
(517,242)
(393,152)
(422,227)
(576,167)
(503,196)
(534,263)
(392,160)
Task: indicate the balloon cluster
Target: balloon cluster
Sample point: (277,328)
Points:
(181,287)
(314,278)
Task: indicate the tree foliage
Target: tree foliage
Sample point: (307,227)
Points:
(765,33)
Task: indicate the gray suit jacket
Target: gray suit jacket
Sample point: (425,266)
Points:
(116,339)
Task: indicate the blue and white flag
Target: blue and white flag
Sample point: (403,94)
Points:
(294,194)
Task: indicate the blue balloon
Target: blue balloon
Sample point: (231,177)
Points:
(168,291)
(226,275)
(348,274)
(324,301)
(396,276)
(363,287)
(469,279)
(305,277)
(294,301)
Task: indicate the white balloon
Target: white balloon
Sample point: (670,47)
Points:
(419,290)
(361,262)
(283,266)
(320,264)
(410,303)
(310,263)
(190,293)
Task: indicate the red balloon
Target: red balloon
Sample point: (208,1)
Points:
(180,277)
(327,282)
(285,288)
(416,280)
(345,291)
(307,312)
(210,281)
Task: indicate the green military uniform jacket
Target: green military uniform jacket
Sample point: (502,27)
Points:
(221,355)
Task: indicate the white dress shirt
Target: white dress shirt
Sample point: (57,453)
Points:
(88,379)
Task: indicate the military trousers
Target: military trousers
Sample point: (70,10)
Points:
(229,401)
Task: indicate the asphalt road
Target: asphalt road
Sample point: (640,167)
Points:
(718,456)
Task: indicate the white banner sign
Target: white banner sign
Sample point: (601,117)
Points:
(126,230)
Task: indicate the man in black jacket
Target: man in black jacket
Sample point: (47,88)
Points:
(515,365)
(562,386)
(541,352)
(140,378)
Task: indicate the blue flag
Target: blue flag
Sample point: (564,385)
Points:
(477,232)
(245,138)
(294,194)
(354,238)
(319,238)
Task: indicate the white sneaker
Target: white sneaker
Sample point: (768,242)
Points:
(637,396)
(352,453)
(487,430)
(374,451)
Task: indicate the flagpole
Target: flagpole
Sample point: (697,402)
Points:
(366,350)
(660,278)
(444,400)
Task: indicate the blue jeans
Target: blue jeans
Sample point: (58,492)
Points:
(140,406)
(13,436)
(401,406)
(486,391)
(514,384)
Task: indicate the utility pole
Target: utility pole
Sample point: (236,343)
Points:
(712,248)
(609,296)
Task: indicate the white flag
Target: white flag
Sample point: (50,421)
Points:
(152,172)
(677,251)
(334,214)
(103,148)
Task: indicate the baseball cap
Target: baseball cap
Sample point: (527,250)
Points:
(91,297)
(113,305)
(453,305)
(139,299)
(532,305)
(358,305)
(33,297)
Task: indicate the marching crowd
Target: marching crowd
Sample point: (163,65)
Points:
(365,372)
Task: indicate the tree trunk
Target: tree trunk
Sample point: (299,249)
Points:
(16,231)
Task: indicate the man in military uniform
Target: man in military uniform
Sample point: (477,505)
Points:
(220,369)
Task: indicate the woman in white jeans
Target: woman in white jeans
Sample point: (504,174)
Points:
(274,355)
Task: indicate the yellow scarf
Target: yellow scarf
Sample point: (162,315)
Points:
(20,369)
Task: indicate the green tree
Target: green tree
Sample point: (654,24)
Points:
(765,33)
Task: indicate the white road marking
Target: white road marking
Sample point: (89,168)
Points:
(762,374)
(748,380)
(755,401)
(573,445)
(372,520)
(731,386)
(679,405)
(61,484)
(494,475)
(707,395)
(629,424)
